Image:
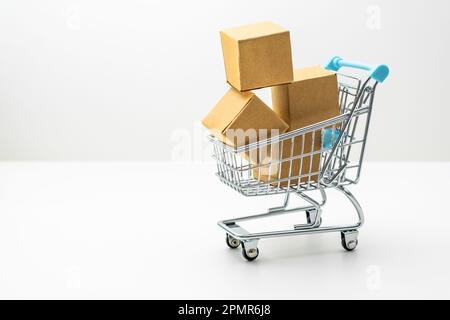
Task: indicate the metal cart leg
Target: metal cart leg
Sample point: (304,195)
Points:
(237,236)
(349,238)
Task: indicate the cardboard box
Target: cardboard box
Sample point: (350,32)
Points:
(312,97)
(300,166)
(257,56)
(240,118)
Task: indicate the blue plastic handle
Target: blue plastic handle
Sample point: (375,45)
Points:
(378,73)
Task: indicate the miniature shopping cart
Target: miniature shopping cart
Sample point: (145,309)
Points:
(341,151)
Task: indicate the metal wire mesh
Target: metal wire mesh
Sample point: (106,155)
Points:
(322,155)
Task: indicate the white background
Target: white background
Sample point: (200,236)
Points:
(124,80)
(120,230)
(129,80)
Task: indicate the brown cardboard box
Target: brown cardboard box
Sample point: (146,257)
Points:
(257,56)
(308,164)
(237,113)
(312,97)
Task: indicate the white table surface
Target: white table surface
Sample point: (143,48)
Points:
(148,230)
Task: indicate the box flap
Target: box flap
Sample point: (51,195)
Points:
(226,110)
(255,30)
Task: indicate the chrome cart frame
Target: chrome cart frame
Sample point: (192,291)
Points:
(324,155)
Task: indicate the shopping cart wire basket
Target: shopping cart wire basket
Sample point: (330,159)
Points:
(324,155)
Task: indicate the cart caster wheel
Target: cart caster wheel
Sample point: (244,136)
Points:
(309,220)
(349,240)
(250,254)
(232,242)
